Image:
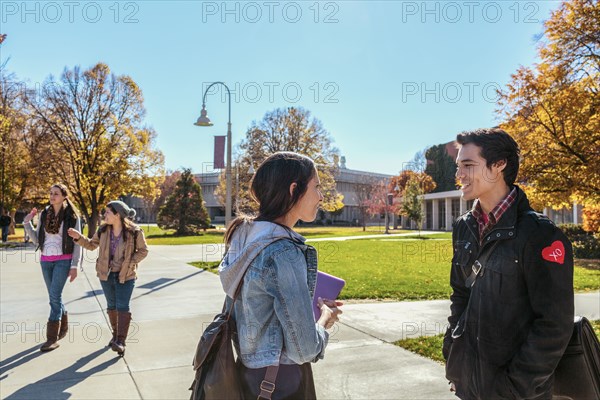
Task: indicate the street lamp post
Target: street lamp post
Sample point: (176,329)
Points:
(203,120)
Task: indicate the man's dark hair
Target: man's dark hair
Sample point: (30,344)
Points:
(495,145)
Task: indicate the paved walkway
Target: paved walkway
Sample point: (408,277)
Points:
(171,304)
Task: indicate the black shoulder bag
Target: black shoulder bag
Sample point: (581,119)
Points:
(577,375)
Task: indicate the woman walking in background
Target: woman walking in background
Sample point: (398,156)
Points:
(277,273)
(122,247)
(59,256)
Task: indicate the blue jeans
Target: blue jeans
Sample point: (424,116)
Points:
(117,294)
(5,230)
(55,275)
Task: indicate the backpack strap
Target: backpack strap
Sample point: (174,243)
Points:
(477,269)
(478,266)
(267,386)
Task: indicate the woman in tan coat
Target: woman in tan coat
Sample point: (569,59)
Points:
(122,247)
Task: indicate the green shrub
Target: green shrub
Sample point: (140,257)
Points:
(585,245)
(572,230)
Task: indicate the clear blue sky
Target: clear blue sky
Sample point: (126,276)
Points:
(386,78)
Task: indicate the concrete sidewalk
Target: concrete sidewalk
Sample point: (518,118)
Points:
(171,304)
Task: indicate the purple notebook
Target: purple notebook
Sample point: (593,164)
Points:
(328,287)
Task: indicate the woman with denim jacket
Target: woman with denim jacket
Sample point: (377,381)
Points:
(277,272)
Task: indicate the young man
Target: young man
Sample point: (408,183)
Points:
(512,280)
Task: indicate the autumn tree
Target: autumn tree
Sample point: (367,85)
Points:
(12,155)
(591,219)
(412,202)
(285,129)
(552,109)
(399,183)
(363,190)
(166,188)
(93,121)
(184,209)
(382,201)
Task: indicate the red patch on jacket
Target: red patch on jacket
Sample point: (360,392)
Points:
(555,252)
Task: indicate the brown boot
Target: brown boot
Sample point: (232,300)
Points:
(64,326)
(124,318)
(51,336)
(113,319)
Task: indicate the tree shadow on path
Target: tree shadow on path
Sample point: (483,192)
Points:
(55,386)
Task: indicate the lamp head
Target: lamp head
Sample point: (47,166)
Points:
(203,120)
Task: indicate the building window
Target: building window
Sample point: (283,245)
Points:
(429,214)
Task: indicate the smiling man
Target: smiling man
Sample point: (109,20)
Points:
(512,279)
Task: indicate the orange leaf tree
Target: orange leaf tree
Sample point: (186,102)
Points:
(552,109)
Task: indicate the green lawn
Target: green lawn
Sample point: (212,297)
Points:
(155,235)
(211,266)
(426,346)
(404,269)
(585,280)
(401,269)
(18,236)
(160,237)
(596,325)
(431,346)
(314,232)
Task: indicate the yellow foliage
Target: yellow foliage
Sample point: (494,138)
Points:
(552,110)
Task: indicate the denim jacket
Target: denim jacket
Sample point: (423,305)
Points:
(273,312)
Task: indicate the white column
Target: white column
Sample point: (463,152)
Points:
(434,215)
(424,210)
(449,217)
(463,206)
(575,214)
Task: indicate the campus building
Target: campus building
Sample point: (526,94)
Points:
(441,209)
(348,183)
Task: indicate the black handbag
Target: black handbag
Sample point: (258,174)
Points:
(577,375)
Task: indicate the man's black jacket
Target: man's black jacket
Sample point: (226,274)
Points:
(520,315)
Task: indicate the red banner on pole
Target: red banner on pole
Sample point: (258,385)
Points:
(219,156)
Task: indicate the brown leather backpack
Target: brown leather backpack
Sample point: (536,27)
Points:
(214,363)
(216,370)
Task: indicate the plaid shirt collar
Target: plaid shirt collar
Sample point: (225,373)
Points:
(487,222)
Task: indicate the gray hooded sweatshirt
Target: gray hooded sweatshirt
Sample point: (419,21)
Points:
(248,240)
